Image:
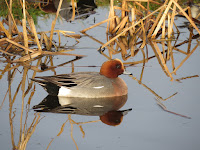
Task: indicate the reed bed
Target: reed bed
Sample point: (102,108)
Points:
(26,130)
(133,27)
(18,44)
(133,30)
(18,50)
(27,89)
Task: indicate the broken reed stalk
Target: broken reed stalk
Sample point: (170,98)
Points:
(162,19)
(172,20)
(160,59)
(128,28)
(120,26)
(141,75)
(111,14)
(73,9)
(165,109)
(182,62)
(33,53)
(33,76)
(189,19)
(154,93)
(38,53)
(54,22)
(6,53)
(19,45)
(9,19)
(11,15)
(5,31)
(24,27)
(32,26)
(189,77)
(83,31)
(190,41)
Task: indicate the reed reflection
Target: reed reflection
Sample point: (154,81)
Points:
(69,10)
(134,32)
(106,108)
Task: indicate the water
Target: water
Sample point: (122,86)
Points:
(147,126)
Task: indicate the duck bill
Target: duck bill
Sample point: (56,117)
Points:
(127,73)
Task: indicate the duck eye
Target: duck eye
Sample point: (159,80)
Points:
(118,66)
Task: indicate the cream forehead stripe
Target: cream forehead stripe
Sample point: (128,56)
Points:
(63,91)
(119,61)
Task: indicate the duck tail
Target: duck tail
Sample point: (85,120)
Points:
(51,88)
(40,82)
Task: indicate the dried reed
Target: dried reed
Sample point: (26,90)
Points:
(71,122)
(16,48)
(137,24)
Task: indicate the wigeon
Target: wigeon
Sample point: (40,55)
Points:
(105,83)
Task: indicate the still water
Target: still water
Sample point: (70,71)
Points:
(147,126)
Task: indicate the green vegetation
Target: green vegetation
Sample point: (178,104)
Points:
(35,11)
(32,9)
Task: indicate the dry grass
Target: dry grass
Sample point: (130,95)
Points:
(132,28)
(26,130)
(72,123)
(18,44)
(17,51)
(135,28)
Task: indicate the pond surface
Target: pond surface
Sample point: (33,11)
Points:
(147,126)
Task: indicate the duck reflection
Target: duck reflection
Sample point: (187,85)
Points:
(106,108)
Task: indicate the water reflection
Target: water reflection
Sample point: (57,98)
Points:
(106,108)
(20,119)
(164,50)
(130,36)
(84,8)
(21,90)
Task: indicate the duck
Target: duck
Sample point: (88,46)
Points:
(195,9)
(105,83)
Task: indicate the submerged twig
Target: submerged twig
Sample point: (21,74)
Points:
(165,109)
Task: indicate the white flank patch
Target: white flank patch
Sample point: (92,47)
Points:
(97,106)
(98,87)
(63,91)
